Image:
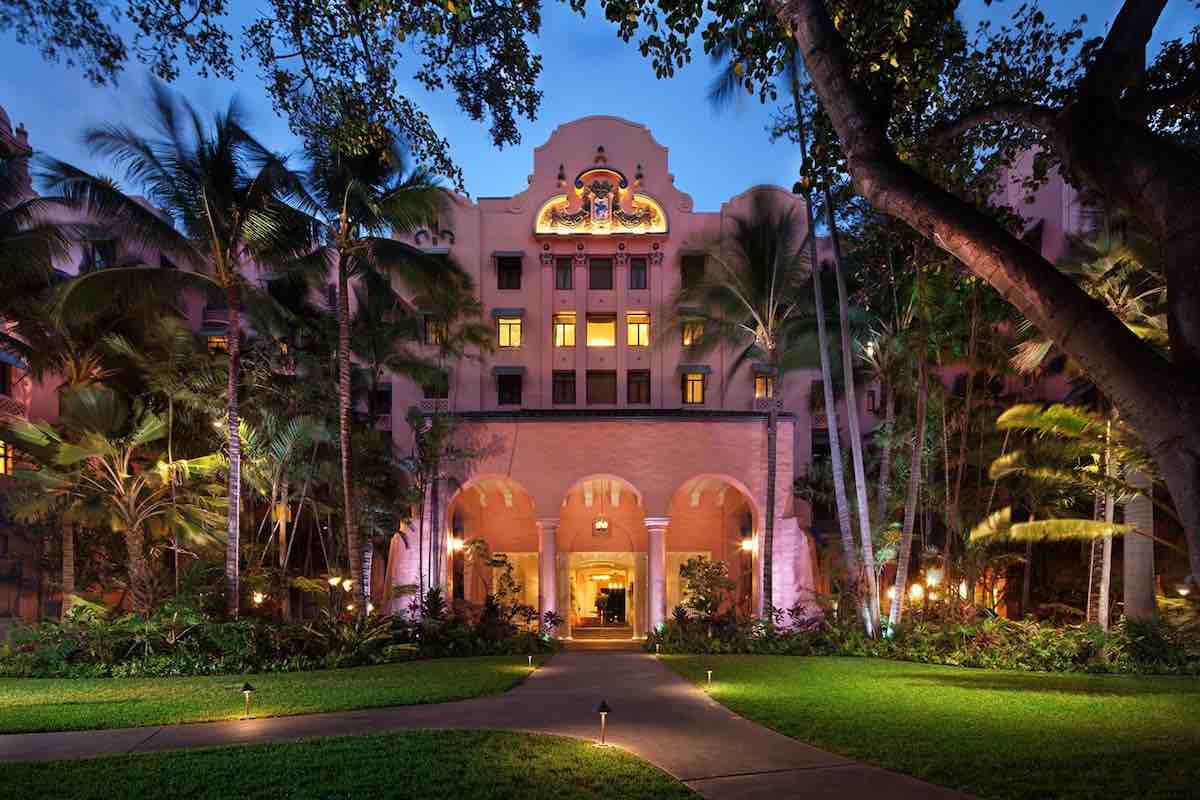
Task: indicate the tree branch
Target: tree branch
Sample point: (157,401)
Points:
(1030,115)
(1121,60)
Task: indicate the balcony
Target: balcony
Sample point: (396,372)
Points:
(434,405)
(766,404)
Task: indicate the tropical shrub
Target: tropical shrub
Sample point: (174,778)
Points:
(1128,647)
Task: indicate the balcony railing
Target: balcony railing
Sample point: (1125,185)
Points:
(213,315)
(11,408)
(766,403)
(434,406)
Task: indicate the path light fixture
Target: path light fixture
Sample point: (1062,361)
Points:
(247,692)
(710,677)
(603,710)
(657,648)
(531,662)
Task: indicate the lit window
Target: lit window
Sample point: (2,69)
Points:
(435,331)
(563,388)
(602,331)
(638,387)
(564,273)
(600,272)
(638,324)
(508,272)
(509,332)
(6,465)
(693,388)
(764,387)
(218,343)
(508,390)
(637,273)
(564,329)
(693,331)
(601,387)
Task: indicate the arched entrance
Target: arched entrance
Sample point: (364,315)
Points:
(715,516)
(601,559)
(492,542)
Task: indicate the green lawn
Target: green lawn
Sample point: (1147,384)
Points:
(420,764)
(36,704)
(995,734)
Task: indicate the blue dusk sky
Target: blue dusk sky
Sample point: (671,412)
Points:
(586,70)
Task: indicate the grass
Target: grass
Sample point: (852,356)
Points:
(425,764)
(998,735)
(37,704)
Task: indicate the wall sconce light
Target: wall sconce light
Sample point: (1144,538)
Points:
(600,526)
(603,710)
(916,591)
(748,544)
(247,692)
(350,606)
(456,544)
(891,593)
(370,607)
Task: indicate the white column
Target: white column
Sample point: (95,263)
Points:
(656,566)
(547,565)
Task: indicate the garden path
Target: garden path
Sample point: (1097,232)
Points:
(656,715)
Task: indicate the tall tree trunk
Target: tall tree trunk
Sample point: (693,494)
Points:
(1111,151)
(349,500)
(135,546)
(914,494)
(885,455)
(954,528)
(855,432)
(285,508)
(233,420)
(1027,580)
(68,566)
(1138,547)
(768,578)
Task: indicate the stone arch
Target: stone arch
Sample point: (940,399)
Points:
(715,515)
(501,512)
(596,496)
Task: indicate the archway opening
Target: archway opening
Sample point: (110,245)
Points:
(493,543)
(715,518)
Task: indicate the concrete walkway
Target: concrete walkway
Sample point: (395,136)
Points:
(656,715)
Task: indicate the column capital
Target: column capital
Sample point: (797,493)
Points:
(659,523)
(547,523)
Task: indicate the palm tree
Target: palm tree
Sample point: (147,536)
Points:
(228,194)
(360,196)
(106,458)
(31,240)
(751,302)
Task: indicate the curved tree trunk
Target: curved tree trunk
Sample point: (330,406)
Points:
(349,500)
(233,421)
(914,495)
(68,567)
(855,432)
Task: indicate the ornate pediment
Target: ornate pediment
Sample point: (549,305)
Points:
(600,203)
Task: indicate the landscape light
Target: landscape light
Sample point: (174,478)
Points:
(247,691)
(257,598)
(933,577)
(350,606)
(891,593)
(347,585)
(370,607)
(709,677)
(603,710)
(334,580)
(933,596)
(916,591)
(657,648)
(1183,591)
(962,588)
(531,662)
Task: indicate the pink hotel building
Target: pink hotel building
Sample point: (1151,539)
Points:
(609,451)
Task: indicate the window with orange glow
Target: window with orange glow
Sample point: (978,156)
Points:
(602,331)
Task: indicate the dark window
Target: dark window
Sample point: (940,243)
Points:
(3,545)
(691,270)
(437,388)
(331,293)
(600,273)
(564,388)
(5,379)
(508,272)
(381,400)
(508,390)
(601,387)
(639,387)
(167,263)
(872,403)
(564,273)
(637,273)
(460,576)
